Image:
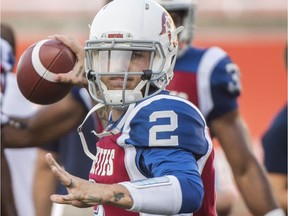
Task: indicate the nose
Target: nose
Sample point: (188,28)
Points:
(119,61)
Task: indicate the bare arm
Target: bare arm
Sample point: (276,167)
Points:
(46,125)
(82,193)
(279,185)
(250,177)
(44,181)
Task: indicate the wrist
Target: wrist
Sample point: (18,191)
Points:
(118,195)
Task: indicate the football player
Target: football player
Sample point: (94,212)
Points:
(210,79)
(274,143)
(151,155)
(7,58)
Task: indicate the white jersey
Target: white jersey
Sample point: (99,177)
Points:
(21,161)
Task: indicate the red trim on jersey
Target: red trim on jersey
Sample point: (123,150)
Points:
(188,87)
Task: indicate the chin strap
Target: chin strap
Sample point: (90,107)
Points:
(107,132)
(80,132)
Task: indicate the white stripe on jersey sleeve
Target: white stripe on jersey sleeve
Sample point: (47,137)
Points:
(207,64)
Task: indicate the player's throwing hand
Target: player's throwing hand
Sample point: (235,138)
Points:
(77,75)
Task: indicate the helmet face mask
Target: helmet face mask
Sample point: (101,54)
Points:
(130,48)
(118,55)
(124,59)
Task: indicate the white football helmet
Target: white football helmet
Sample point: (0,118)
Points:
(119,30)
(183,14)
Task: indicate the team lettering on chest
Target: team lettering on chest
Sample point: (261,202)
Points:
(104,163)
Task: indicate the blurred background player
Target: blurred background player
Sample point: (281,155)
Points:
(20,161)
(8,206)
(274,142)
(67,150)
(209,79)
(49,124)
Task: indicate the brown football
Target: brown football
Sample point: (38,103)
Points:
(37,67)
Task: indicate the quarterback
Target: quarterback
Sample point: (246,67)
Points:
(155,147)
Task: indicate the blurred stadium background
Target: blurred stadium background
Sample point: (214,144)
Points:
(253,32)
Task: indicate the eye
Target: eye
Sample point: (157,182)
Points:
(137,55)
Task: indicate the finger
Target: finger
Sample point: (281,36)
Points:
(64,177)
(77,75)
(71,42)
(71,79)
(68,199)
(61,199)
(51,161)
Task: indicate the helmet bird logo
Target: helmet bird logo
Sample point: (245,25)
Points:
(167,24)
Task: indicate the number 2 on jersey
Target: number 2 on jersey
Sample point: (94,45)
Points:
(154,130)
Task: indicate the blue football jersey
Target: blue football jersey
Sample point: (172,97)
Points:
(159,136)
(209,79)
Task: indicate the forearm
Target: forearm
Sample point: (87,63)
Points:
(115,194)
(146,194)
(143,196)
(21,138)
(47,125)
(250,177)
(143,201)
(253,184)
(14,132)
